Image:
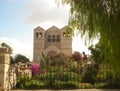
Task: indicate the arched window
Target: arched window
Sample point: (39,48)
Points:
(49,38)
(38,35)
(64,34)
(58,38)
(53,38)
(68,34)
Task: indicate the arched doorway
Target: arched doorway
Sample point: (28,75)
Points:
(52,50)
(52,53)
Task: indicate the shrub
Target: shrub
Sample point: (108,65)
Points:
(90,76)
(21,80)
(85,86)
(60,79)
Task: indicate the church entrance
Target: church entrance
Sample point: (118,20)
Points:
(52,53)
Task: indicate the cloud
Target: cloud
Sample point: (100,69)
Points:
(41,11)
(18,47)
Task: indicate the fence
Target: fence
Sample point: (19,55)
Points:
(56,77)
(59,76)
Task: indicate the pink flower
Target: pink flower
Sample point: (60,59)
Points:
(35,68)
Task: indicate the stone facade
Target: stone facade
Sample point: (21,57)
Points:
(51,41)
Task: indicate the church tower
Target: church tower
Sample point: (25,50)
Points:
(39,44)
(66,42)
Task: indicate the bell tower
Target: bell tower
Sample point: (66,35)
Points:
(38,43)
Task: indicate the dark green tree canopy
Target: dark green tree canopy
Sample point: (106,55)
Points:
(97,53)
(98,18)
(20,58)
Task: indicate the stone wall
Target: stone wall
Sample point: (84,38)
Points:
(9,73)
(4,67)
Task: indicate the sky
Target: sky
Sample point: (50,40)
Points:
(18,19)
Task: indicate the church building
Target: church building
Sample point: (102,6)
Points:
(51,41)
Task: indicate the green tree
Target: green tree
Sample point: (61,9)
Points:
(11,60)
(97,53)
(20,58)
(98,18)
(45,61)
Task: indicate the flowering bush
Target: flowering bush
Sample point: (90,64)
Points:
(77,56)
(35,68)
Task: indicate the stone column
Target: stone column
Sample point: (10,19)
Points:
(4,67)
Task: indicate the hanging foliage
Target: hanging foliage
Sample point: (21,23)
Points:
(98,17)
